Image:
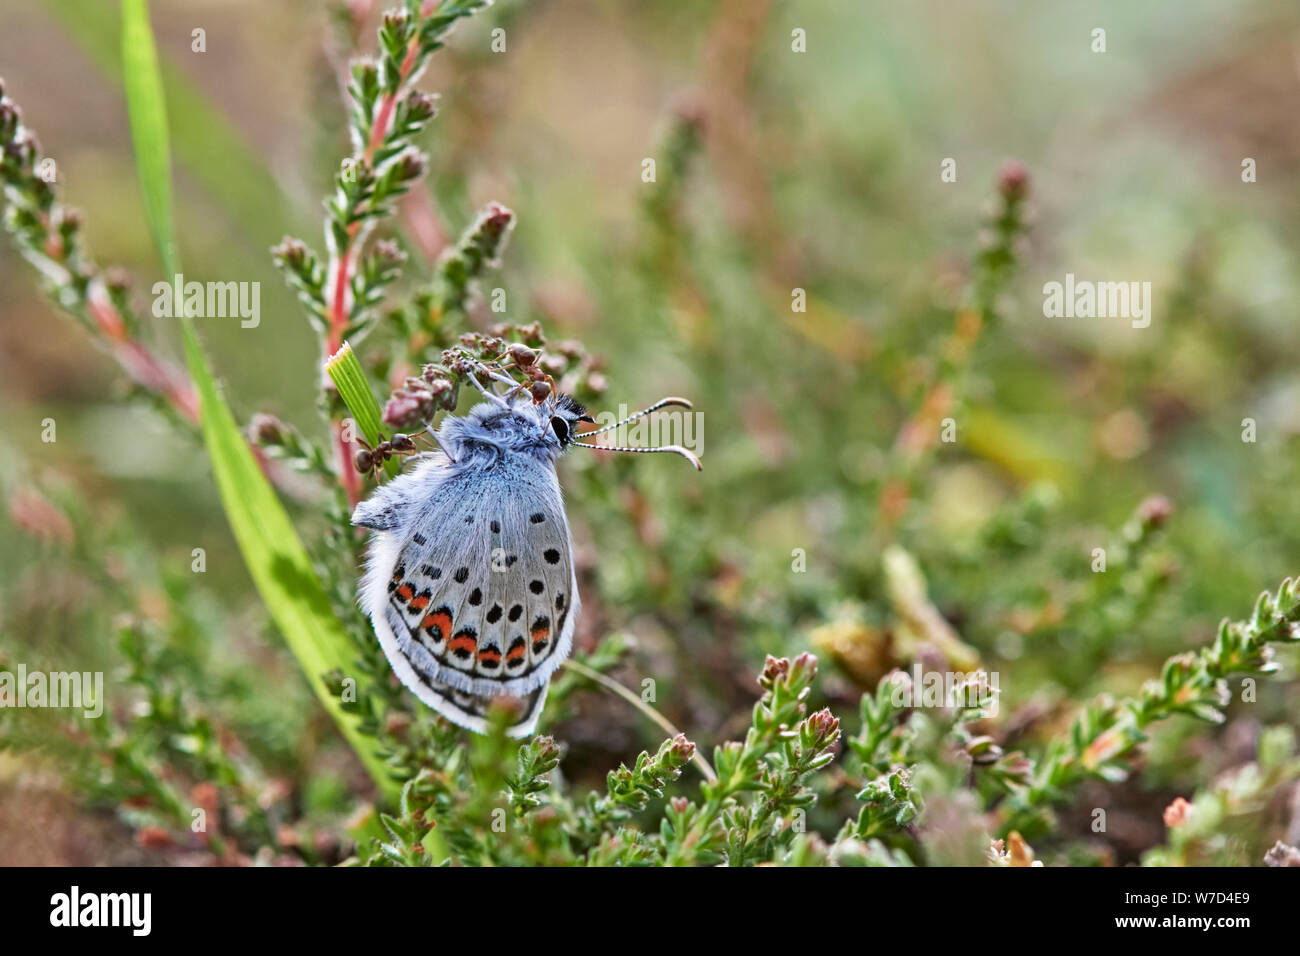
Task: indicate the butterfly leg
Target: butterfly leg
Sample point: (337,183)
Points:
(490,396)
(500,379)
(433,433)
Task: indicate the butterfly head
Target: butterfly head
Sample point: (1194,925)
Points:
(565,415)
(543,429)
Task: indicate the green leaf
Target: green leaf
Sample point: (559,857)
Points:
(350,379)
(276,558)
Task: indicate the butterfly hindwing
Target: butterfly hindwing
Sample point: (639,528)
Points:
(473,587)
(550,584)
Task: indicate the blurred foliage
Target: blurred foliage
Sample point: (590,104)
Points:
(834,513)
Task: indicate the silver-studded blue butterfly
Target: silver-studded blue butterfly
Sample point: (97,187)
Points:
(470,584)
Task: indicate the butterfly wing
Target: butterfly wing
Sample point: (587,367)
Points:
(471,586)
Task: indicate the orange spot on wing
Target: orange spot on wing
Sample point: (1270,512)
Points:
(463,642)
(439,622)
(406,592)
(516,652)
(490,655)
(420,603)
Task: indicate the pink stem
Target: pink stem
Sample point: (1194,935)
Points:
(141,364)
(342,266)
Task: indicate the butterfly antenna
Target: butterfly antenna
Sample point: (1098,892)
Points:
(662,403)
(675,449)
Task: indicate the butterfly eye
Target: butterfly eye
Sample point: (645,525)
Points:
(561,428)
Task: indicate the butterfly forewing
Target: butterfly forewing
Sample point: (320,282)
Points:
(483,585)
(470,583)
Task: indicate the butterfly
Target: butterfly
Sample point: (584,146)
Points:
(470,582)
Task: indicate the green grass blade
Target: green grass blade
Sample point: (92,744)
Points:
(276,558)
(277,561)
(147,114)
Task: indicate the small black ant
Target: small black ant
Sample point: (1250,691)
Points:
(369,460)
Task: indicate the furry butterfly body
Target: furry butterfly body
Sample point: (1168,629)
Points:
(470,583)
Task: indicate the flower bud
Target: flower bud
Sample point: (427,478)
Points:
(1013,180)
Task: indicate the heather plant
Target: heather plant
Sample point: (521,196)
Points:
(1081,666)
